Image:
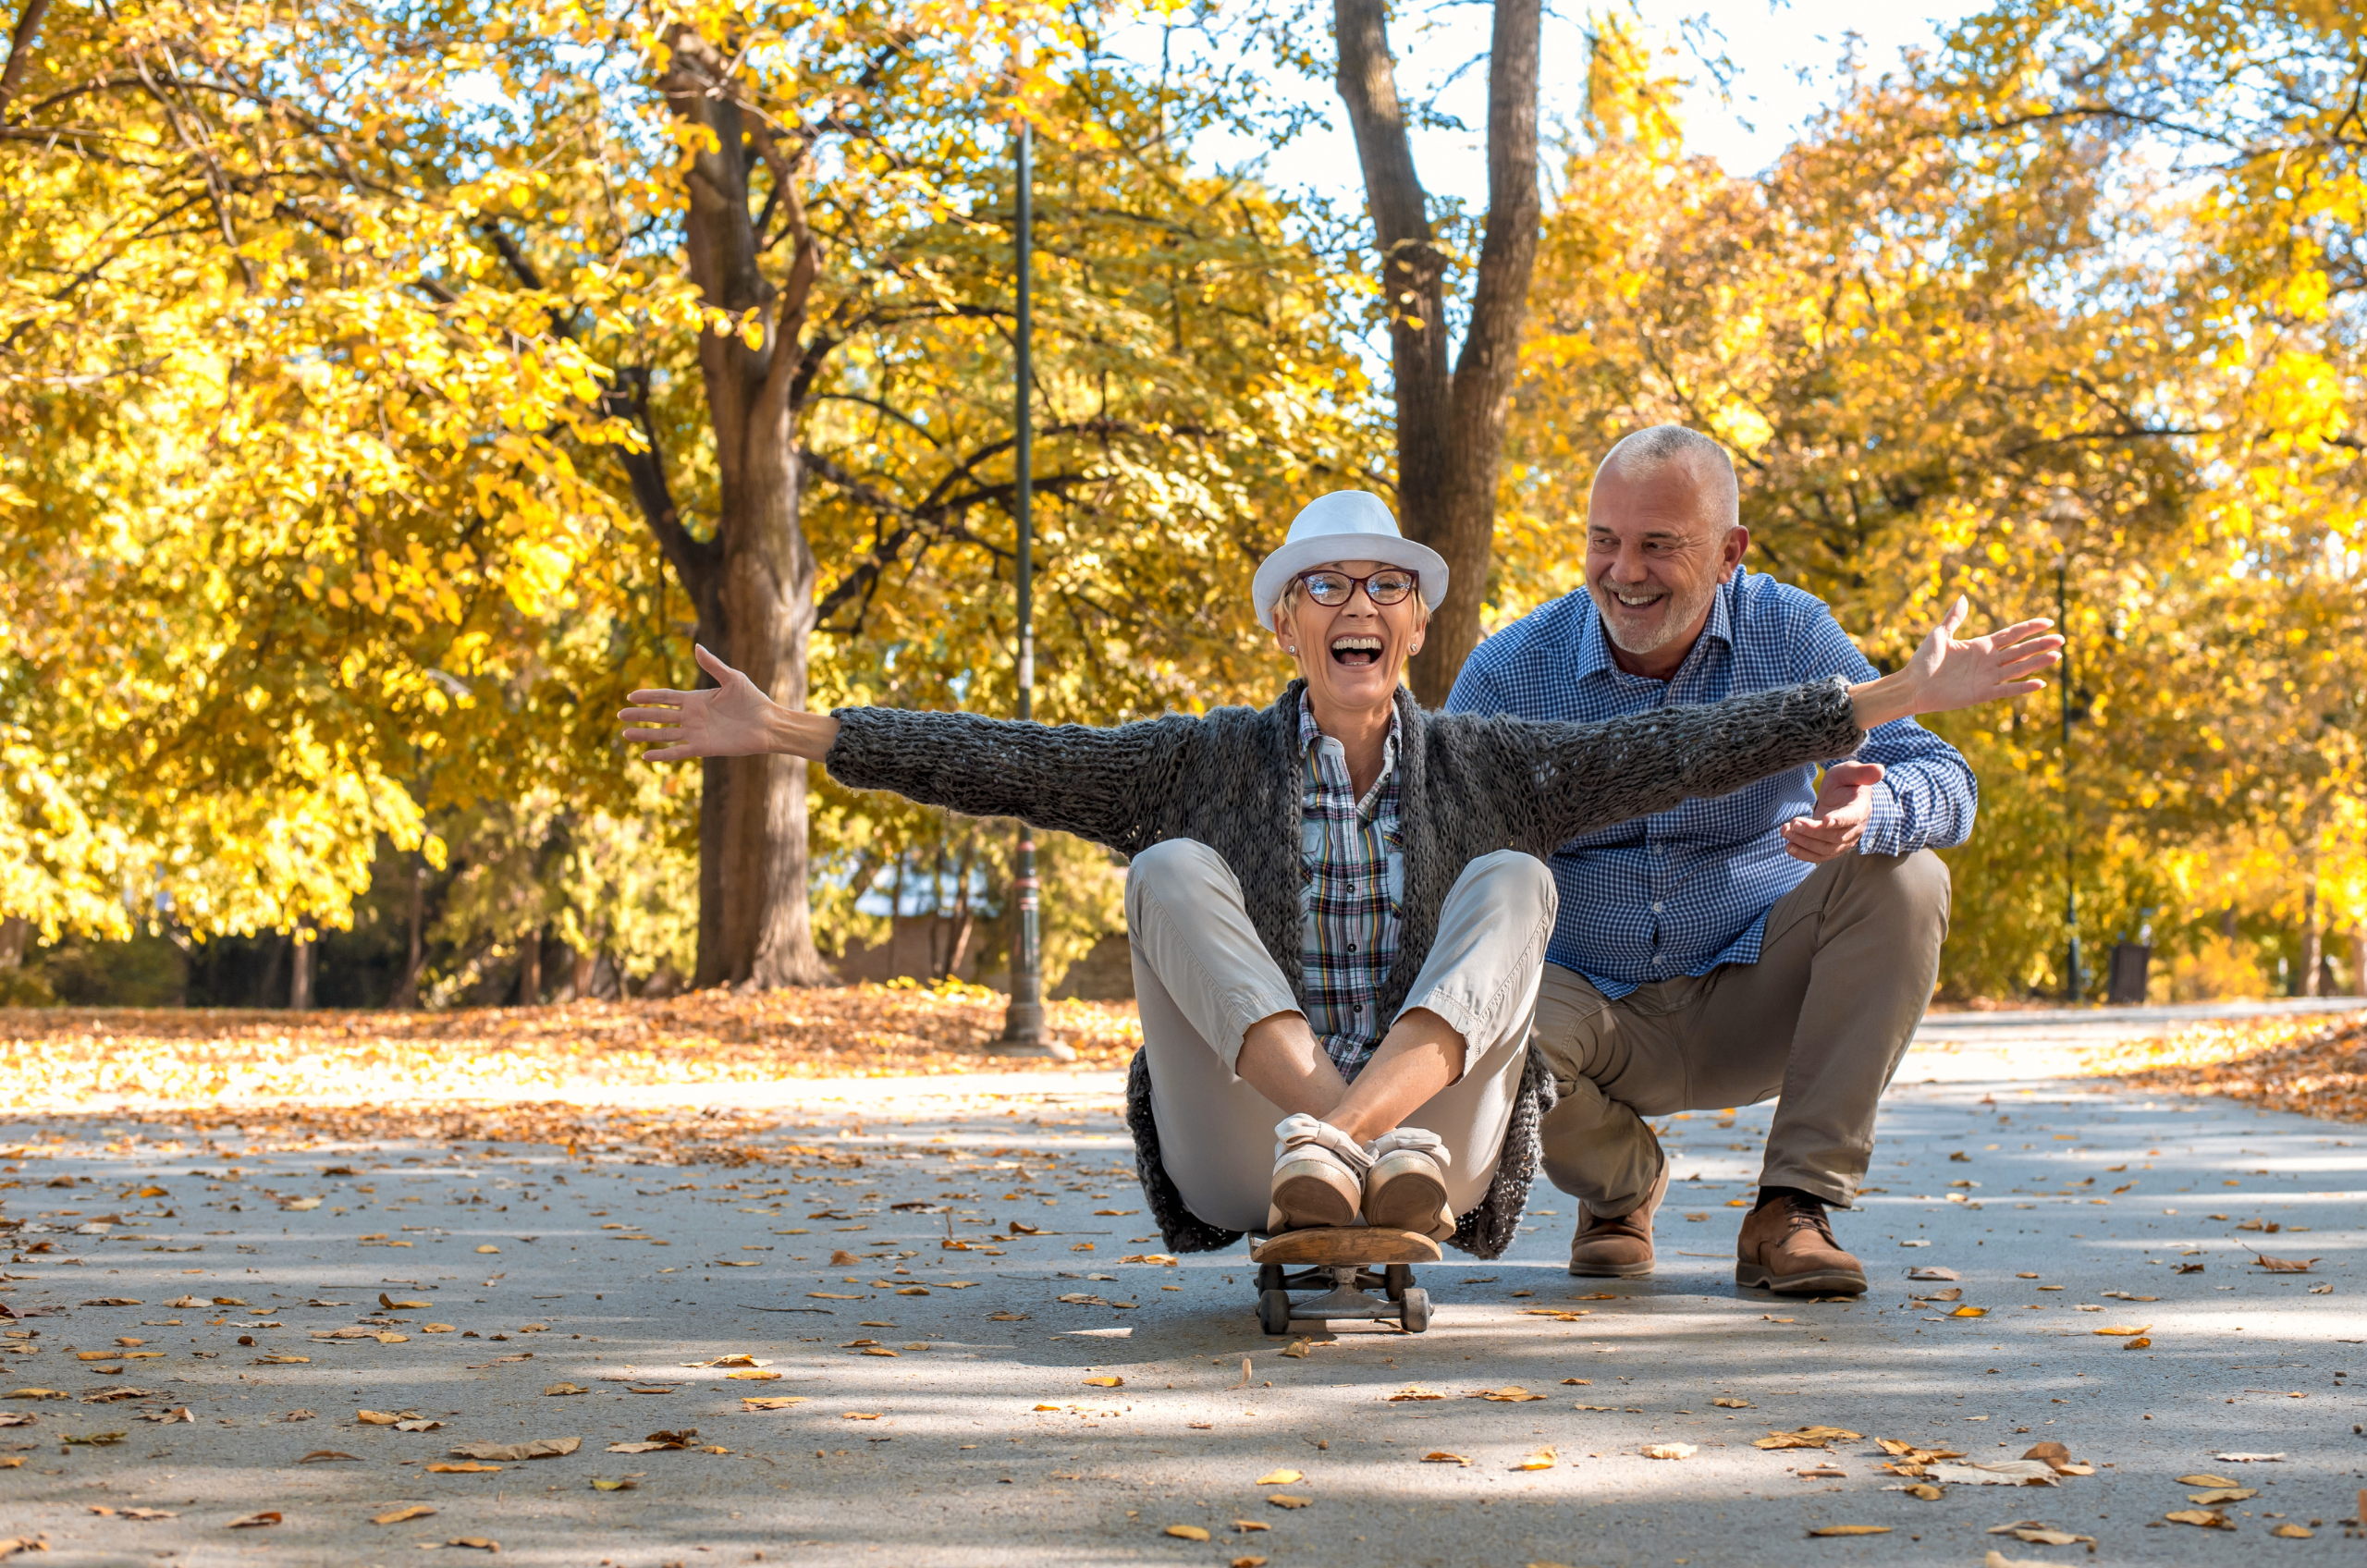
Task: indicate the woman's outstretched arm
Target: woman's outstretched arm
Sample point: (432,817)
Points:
(1109,785)
(1591,776)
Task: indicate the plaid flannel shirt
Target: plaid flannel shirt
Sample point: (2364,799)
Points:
(1685,890)
(1351,875)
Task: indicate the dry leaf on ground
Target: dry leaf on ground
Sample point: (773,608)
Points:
(467,1467)
(254,1520)
(1512,1393)
(534,1448)
(558,1390)
(1929,1272)
(2283,1265)
(2001,1473)
(2218,1495)
(1668,1451)
(1440,1456)
(1105,1382)
(416,1510)
(1807,1437)
(1279,1478)
(2204,1479)
(2292,1532)
(477,1543)
(1541,1460)
(1411,1391)
(2207,1518)
(1187,1532)
(780,1401)
(1721,1403)
(323,1456)
(1999,1560)
(1284,1499)
(2123,1330)
(1851,1530)
(2036,1534)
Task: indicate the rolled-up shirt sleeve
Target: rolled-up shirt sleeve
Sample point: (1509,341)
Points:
(1927,796)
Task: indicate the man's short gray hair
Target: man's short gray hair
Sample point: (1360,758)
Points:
(1665,445)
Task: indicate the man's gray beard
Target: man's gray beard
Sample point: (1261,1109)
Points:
(1671,626)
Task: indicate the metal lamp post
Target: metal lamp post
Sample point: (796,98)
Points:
(1022,1024)
(2062,517)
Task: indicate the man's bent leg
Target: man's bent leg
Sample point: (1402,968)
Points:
(1822,1018)
(1615,1063)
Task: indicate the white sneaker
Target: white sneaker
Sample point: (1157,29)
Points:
(1318,1176)
(1406,1187)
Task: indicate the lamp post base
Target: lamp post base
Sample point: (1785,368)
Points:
(1022,1035)
(1050,1051)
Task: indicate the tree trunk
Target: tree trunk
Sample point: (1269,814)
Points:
(2358,960)
(1450,427)
(530,969)
(2313,939)
(581,974)
(300,983)
(14,933)
(753,584)
(406,995)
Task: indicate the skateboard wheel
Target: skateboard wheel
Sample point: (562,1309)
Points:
(1274,1311)
(1417,1311)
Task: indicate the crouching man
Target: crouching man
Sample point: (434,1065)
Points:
(1779,941)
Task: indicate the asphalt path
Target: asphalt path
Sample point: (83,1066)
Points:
(889,1263)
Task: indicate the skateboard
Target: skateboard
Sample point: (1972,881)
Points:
(1345,1262)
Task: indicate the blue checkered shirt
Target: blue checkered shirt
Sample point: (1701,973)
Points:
(1683,892)
(1352,874)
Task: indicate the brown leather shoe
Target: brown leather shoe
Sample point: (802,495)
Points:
(1617,1246)
(1786,1245)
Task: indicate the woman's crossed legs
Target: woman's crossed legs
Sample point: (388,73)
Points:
(1231,1054)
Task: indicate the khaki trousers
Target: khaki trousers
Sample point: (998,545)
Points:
(1822,1019)
(1202,978)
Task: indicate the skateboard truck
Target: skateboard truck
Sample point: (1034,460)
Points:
(1343,1262)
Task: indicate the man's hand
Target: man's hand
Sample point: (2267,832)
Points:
(1843,803)
(731,718)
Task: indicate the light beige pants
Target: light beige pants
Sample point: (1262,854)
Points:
(1820,1018)
(1202,978)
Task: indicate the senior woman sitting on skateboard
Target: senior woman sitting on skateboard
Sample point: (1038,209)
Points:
(1338,905)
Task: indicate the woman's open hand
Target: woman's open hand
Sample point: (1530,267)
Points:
(1945,674)
(730,719)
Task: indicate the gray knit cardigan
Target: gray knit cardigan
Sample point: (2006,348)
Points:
(1468,785)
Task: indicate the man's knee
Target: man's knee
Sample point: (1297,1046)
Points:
(1912,889)
(1171,872)
(1517,884)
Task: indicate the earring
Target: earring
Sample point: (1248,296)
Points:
(1294,647)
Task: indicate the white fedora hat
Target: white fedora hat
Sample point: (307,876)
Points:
(1346,525)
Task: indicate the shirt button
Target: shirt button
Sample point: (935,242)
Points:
(1656,906)
(1352,946)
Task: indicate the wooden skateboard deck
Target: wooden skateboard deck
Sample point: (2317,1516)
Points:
(1344,1245)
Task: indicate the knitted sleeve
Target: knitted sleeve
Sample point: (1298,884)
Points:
(1590,775)
(1112,786)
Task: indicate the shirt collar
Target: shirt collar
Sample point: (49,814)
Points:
(1594,644)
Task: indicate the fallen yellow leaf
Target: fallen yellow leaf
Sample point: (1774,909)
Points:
(1668,1451)
(1187,1532)
(1851,1530)
(1440,1456)
(1279,1478)
(397,1515)
(1105,1382)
